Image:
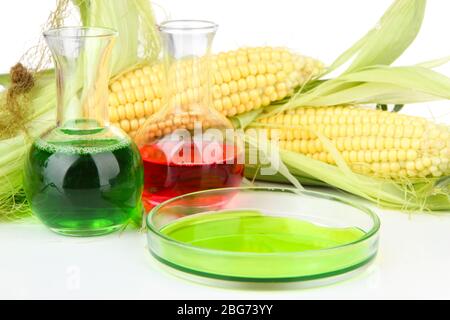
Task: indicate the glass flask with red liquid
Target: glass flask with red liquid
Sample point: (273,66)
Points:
(188,146)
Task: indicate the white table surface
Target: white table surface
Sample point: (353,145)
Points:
(413,262)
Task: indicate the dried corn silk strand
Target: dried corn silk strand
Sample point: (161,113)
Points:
(15,111)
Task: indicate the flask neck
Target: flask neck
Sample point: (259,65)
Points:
(187,49)
(82,61)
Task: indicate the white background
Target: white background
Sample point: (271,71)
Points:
(414,256)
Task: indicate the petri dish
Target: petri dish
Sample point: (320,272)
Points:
(263,235)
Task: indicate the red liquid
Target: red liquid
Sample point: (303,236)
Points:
(172,169)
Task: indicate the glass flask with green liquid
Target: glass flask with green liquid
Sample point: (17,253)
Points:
(84,177)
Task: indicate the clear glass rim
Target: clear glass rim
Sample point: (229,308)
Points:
(178,26)
(372,232)
(80,32)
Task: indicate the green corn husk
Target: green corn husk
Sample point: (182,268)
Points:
(374,85)
(14,149)
(428,195)
(370,79)
(387,41)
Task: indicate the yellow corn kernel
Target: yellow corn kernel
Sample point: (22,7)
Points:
(373,142)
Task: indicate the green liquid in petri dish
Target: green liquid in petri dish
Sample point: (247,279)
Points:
(84,187)
(253,232)
(250,245)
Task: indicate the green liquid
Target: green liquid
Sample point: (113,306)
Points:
(84,187)
(252,246)
(253,232)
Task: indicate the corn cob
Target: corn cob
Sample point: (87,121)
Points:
(372,142)
(242,80)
